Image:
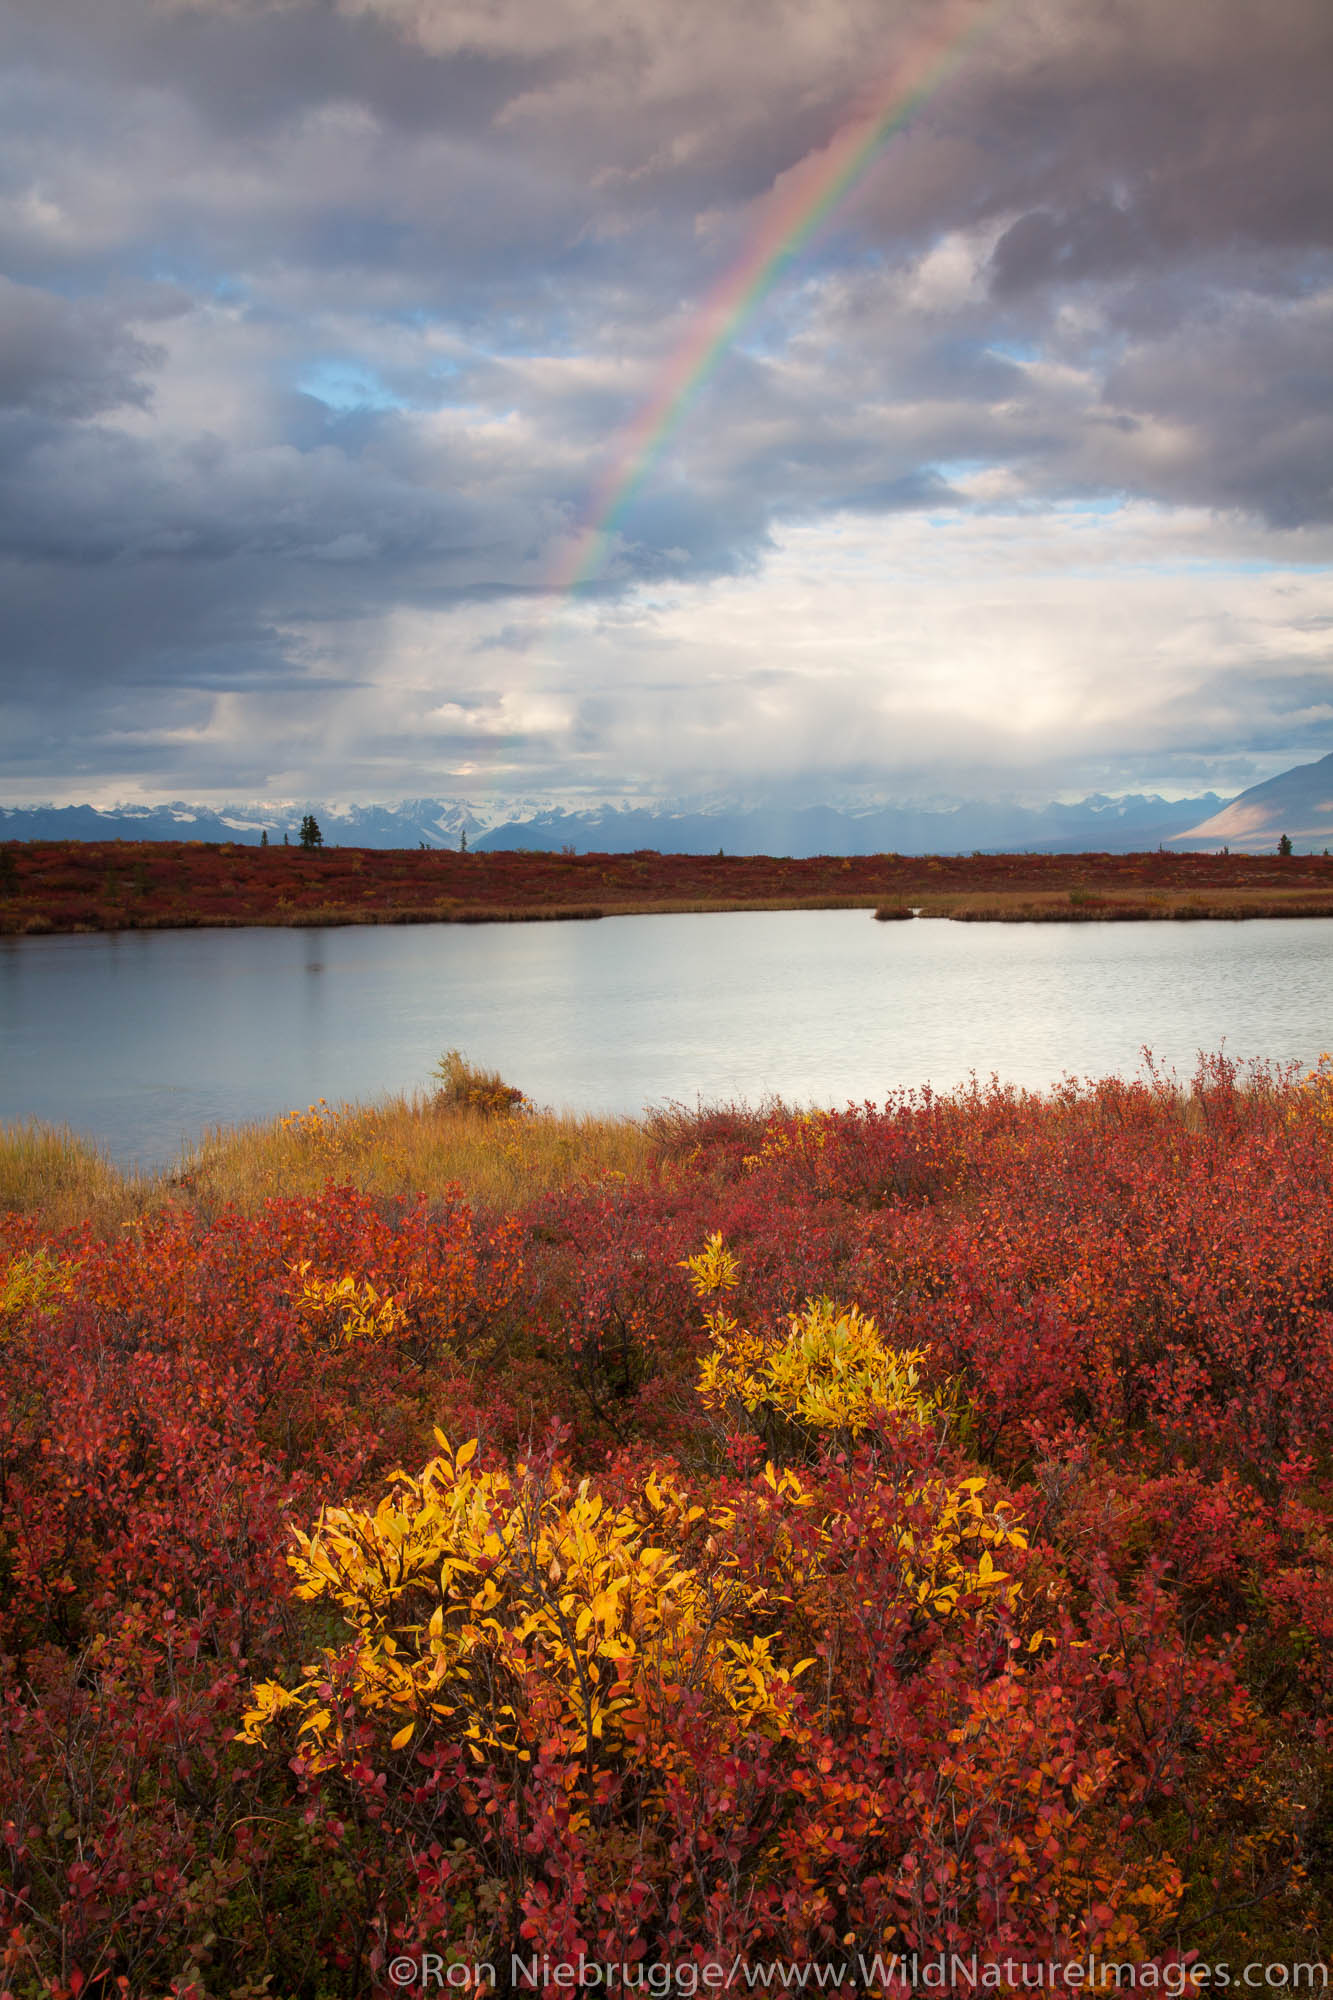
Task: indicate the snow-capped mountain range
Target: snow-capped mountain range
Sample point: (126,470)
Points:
(679,826)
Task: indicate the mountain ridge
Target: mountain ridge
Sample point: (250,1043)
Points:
(1098,823)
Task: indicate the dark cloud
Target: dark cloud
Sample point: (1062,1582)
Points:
(325,320)
(1248,388)
(67,357)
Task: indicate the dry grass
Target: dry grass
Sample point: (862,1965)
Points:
(405,1146)
(417,1145)
(49,1172)
(1106,906)
(474,1131)
(665,906)
(1053,907)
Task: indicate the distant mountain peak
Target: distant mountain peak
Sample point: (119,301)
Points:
(1298,803)
(780,824)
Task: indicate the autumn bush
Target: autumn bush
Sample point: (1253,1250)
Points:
(463,1085)
(900,1527)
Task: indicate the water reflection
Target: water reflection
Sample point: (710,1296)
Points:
(145,1038)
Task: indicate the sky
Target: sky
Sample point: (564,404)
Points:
(586,399)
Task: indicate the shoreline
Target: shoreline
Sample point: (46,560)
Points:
(1015,910)
(74,888)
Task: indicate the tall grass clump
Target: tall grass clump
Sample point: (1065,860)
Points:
(464,1087)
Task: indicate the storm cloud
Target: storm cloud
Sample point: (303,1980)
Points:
(323,322)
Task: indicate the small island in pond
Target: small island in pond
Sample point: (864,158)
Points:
(50,886)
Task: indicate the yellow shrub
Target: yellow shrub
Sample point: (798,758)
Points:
(30,1283)
(953,1559)
(803,1134)
(831,1373)
(1315,1093)
(520,1616)
(714,1269)
(506,1612)
(346,1308)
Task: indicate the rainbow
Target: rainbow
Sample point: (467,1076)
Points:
(785,226)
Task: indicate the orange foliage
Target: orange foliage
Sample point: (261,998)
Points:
(988,1609)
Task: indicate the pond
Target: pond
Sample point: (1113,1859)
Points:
(142,1040)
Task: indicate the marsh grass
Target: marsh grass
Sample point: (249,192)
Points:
(49,1172)
(403,1146)
(413,1145)
(1055,907)
(1108,906)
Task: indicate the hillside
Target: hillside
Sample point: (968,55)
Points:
(1298,803)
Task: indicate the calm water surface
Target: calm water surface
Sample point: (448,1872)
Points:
(143,1040)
